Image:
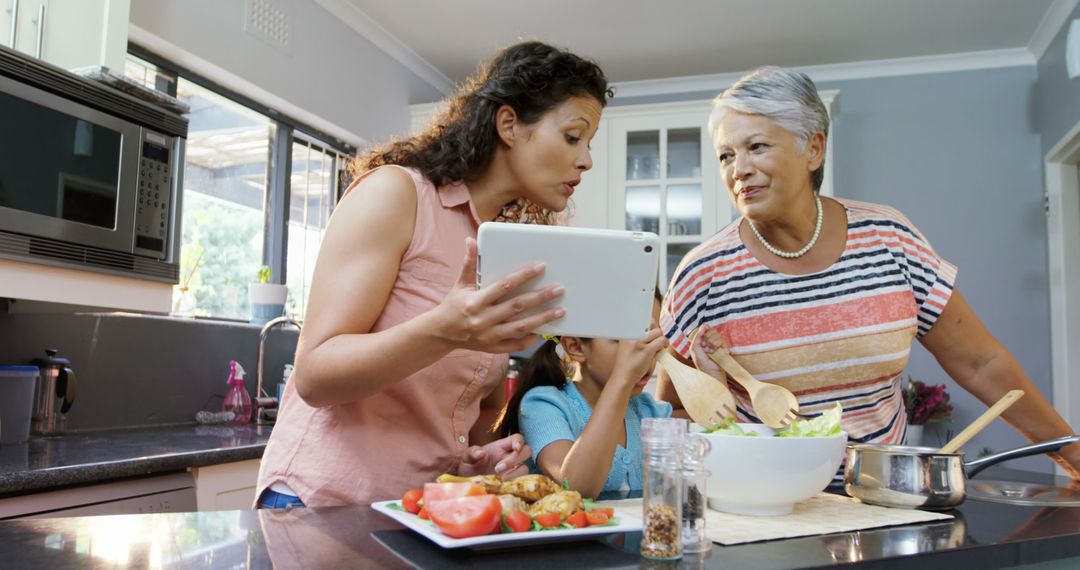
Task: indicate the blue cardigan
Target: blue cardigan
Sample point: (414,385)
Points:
(549,414)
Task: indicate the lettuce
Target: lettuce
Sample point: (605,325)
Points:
(729,427)
(825,425)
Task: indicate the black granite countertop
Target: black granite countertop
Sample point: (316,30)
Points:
(982,535)
(45,463)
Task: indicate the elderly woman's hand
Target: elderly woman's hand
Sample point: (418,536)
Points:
(704,341)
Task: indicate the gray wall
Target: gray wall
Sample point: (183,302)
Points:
(959,154)
(332,70)
(137,370)
(1056,104)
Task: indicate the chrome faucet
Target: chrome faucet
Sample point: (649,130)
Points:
(262,399)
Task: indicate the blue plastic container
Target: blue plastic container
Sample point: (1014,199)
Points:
(16,402)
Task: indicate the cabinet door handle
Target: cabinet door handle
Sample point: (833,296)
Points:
(14,21)
(40,30)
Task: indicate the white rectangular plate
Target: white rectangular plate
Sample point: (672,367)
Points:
(507,540)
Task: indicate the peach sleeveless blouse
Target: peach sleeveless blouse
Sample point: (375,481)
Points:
(376,448)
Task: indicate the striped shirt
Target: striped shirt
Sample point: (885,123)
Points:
(839,335)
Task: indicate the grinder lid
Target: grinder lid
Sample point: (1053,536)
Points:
(51,359)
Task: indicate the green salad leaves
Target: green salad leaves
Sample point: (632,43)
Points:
(825,425)
(729,427)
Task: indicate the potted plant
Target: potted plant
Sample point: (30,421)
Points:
(185,303)
(925,404)
(267,299)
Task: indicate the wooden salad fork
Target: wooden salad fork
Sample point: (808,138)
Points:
(791,417)
(706,399)
(775,405)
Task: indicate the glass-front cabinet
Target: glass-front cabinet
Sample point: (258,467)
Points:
(663,177)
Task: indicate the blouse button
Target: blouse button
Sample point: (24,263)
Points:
(461,439)
(626,459)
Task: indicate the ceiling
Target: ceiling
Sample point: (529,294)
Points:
(647,39)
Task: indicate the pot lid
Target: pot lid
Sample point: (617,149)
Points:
(1026,494)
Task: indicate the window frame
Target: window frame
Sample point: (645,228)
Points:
(338,182)
(285,131)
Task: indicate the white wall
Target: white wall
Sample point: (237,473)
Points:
(331,71)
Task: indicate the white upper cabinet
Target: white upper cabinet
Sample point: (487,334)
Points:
(654,169)
(68,33)
(21,23)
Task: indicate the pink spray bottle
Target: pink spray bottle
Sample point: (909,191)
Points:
(237,399)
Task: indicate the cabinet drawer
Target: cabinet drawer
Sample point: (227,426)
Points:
(166,493)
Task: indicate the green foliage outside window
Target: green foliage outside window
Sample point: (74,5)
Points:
(222,250)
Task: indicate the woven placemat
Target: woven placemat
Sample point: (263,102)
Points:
(823,513)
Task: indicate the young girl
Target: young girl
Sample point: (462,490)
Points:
(586,430)
(401,360)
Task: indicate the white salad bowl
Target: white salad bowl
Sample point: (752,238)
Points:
(764,475)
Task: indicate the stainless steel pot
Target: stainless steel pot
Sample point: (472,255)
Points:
(920,477)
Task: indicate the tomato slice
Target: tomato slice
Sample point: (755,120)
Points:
(442,491)
(411,501)
(610,512)
(578,519)
(596,518)
(465,516)
(518,521)
(547,520)
(422,515)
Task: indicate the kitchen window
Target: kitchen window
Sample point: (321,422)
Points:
(314,185)
(258,190)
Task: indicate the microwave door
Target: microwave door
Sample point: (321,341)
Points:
(64,176)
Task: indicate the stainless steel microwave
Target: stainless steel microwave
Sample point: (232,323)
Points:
(90,176)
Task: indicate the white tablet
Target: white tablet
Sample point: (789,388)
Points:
(609,275)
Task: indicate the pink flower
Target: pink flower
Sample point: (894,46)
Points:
(926,404)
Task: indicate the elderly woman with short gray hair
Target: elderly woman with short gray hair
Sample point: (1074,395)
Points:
(825,295)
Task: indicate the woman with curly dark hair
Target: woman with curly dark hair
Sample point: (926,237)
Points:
(401,357)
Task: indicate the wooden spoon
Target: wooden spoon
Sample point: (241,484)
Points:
(775,405)
(982,421)
(706,399)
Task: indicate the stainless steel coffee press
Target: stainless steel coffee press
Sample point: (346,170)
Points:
(53,395)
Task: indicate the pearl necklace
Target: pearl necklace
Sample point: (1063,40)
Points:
(792,254)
